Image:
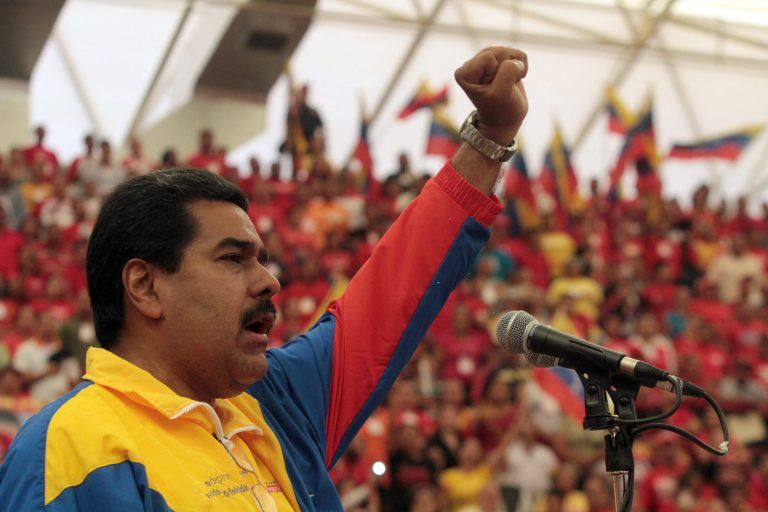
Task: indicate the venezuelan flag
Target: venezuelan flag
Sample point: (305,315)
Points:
(614,190)
(363,156)
(424,98)
(521,202)
(619,116)
(558,178)
(564,387)
(728,147)
(444,137)
(640,149)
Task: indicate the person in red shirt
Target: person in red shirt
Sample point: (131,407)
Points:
(57,299)
(705,342)
(336,258)
(39,154)
(207,157)
(648,344)
(10,244)
(262,210)
(499,407)
(526,251)
(660,291)
(462,349)
(309,288)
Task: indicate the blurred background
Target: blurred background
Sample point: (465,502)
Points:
(636,213)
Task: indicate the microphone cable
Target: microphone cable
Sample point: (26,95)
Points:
(651,423)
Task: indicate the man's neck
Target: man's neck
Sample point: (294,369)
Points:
(154,363)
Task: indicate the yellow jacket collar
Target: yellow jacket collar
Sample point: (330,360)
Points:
(111,371)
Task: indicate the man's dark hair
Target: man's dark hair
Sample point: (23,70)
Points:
(145,217)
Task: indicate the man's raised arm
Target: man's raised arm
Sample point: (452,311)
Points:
(359,349)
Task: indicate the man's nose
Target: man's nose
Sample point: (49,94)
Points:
(264,283)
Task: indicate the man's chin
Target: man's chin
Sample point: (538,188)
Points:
(252,368)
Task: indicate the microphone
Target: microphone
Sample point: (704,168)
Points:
(544,346)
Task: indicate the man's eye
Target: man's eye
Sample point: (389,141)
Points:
(236,258)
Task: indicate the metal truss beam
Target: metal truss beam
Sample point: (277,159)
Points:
(629,58)
(138,117)
(77,82)
(585,41)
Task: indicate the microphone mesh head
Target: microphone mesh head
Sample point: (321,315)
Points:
(540,360)
(511,330)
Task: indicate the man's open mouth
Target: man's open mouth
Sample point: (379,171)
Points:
(261,324)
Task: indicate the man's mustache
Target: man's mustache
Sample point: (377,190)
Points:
(258,309)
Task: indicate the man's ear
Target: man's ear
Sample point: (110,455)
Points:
(139,284)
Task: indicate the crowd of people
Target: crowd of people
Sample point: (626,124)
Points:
(468,426)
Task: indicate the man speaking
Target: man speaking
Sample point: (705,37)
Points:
(183,408)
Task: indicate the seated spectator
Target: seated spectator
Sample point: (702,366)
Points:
(325,213)
(24,328)
(264,213)
(585,291)
(35,190)
(462,349)
(648,344)
(729,268)
(564,494)
(86,162)
(677,314)
(16,404)
(598,488)
(136,162)
(660,291)
(78,332)
(11,200)
(443,446)
(567,318)
(56,299)
(463,484)
(44,366)
(740,390)
(499,407)
(706,343)
(309,287)
(425,499)
(557,246)
(528,466)
(106,174)
(58,208)
(168,159)
(10,245)
(410,468)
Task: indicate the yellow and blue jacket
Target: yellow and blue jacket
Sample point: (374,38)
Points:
(123,441)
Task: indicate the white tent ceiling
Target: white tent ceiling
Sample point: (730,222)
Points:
(705,61)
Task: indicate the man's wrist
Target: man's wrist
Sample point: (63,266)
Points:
(484,145)
(501,135)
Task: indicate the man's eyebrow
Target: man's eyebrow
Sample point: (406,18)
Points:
(243,245)
(237,243)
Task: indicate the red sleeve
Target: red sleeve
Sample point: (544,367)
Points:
(394,297)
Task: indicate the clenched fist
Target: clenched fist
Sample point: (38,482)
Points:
(493,82)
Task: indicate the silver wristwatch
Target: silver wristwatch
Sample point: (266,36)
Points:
(483,144)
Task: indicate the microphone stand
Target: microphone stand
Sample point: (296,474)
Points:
(618,446)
